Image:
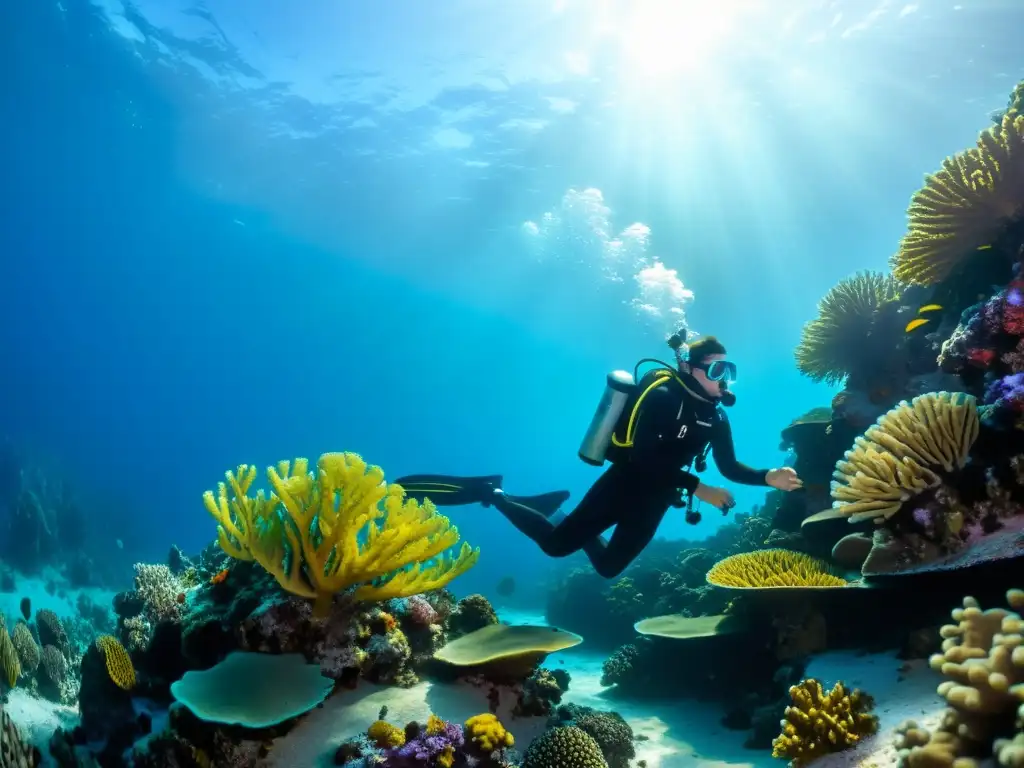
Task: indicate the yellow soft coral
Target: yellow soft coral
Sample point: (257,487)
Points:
(772,568)
(319,535)
(818,723)
(487,732)
(384,735)
(967,204)
(119,663)
(833,344)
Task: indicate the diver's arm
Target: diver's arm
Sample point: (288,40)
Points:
(724,452)
(656,411)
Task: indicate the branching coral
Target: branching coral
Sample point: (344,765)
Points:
(818,723)
(833,344)
(772,568)
(964,206)
(901,455)
(342,528)
(983,658)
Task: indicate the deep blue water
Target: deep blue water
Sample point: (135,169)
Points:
(240,235)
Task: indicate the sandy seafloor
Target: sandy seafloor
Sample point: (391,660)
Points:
(675,734)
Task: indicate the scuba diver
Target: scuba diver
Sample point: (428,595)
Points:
(653,430)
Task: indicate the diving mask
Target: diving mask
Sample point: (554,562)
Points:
(718,370)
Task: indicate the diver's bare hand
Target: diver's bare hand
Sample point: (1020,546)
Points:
(716,497)
(784,479)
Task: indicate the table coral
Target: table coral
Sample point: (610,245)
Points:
(772,568)
(818,723)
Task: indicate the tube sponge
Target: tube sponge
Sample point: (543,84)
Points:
(254,690)
(319,535)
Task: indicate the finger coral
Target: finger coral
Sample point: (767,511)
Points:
(965,205)
(833,344)
(772,569)
(983,658)
(818,723)
(902,454)
(344,527)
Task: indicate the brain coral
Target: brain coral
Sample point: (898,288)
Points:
(564,747)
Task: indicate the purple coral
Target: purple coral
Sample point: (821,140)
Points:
(1007,395)
(437,738)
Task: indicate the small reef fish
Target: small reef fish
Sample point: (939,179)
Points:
(917,322)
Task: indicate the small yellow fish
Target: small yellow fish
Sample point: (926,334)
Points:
(917,322)
(984,247)
(929,308)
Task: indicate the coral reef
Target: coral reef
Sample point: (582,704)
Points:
(15,751)
(316,546)
(818,723)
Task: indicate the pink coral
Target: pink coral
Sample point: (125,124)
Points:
(421,612)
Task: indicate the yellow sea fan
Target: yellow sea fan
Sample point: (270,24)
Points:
(119,663)
(344,527)
(10,666)
(903,453)
(773,569)
(967,204)
(833,344)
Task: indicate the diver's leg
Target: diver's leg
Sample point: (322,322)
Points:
(631,536)
(592,516)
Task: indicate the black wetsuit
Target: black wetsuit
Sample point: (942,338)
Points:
(674,426)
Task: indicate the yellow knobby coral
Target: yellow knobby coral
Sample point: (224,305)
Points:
(772,568)
(818,723)
(385,735)
(487,732)
(965,205)
(9,663)
(833,344)
(344,527)
(447,757)
(983,658)
(900,455)
(119,663)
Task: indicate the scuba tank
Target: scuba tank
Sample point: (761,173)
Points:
(619,388)
(609,435)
